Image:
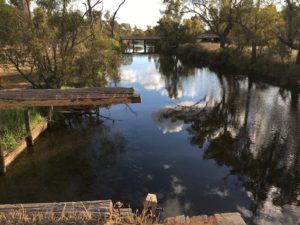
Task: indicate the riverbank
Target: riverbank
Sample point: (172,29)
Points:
(230,62)
(37,130)
(12,130)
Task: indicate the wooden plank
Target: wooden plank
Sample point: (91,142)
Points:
(94,208)
(72,97)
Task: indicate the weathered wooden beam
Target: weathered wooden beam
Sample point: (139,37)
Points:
(74,97)
(101,208)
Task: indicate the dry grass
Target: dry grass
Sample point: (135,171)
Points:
(209,46)
(50,219)
(213,47)
(77,218)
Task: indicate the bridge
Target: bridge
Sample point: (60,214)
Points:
(130,42)
(126,41)
(87,97)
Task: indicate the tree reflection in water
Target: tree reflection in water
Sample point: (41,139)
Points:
(81,155)
(260,145)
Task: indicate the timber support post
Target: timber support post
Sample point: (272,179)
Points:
(133,45)
(2,161)
(29,139)
(50,117)
(145,46)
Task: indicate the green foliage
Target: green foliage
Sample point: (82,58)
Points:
(192,28)
(170,33)
(12,128)
(229,61)
(54,45)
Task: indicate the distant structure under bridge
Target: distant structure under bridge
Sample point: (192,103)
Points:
(149,43)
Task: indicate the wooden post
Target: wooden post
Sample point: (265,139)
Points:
(2,161)
(145,47)
(150,205)
(29,139)
(132,45)
(50,117)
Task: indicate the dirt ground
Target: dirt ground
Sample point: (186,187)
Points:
(10,79)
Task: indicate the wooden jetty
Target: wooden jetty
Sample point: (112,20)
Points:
(217,219)
(55,97)
(70,97)
(105,210)
(99,209)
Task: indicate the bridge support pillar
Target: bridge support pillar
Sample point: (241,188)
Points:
(133,46)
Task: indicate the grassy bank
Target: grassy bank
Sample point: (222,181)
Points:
(228,61)
(12,128)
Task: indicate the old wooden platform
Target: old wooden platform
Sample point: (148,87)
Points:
(217,219)
(97,209)
(70,97)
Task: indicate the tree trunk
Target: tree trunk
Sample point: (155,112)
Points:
(253,53)
(222,43)
(294,100)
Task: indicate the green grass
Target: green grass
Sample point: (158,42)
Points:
(12,129)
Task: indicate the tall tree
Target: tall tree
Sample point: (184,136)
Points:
(257,26)
(290,34)
(169,26)
(113,18)
(56,45)
(218,15)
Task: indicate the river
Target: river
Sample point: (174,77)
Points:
(203,142)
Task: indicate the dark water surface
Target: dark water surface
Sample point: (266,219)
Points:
(203,142)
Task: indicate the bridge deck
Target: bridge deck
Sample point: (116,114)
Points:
(71,97)
(147,38)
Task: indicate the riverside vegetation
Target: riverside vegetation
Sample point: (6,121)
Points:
(256,37)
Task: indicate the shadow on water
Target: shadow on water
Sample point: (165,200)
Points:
(76,154)
(205,143)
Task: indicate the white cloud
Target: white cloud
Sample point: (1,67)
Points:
(178,188)
(166,125)
(149,78)
(137,12)
(217,191)
(270,214)
(166,166)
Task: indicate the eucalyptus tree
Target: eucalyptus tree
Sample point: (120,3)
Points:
(290,32)
(257,26)
(169,26)
(55,45)
(113,18)
(218,15)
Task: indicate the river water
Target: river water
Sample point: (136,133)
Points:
(203,142)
